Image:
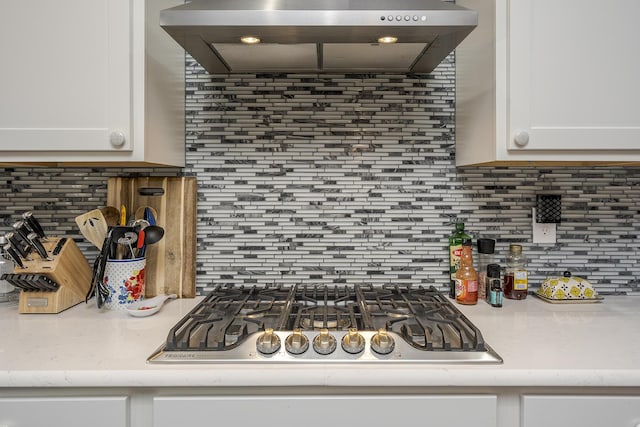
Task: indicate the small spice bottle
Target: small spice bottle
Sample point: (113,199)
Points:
(486,249)
(495,285)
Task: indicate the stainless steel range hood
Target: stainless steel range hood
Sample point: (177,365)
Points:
(338,36)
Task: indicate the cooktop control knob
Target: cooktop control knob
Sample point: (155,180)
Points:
(296,342)
(324,343)
(353,342)
(382,343)
(268,342)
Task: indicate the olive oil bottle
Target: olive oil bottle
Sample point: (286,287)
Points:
(455,252)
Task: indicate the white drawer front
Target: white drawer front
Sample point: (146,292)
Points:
(581,411)
(323,411)
(64,412)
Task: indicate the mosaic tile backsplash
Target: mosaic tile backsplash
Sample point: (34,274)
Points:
(351,179)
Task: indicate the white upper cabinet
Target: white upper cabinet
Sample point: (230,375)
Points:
(542,81)
(90,82)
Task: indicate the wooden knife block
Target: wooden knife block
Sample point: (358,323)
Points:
(69,269)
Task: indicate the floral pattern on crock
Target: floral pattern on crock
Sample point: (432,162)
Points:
(125,280)
(132,288)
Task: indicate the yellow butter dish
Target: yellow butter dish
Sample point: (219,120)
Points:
(568,289)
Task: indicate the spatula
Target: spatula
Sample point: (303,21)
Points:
(93,227)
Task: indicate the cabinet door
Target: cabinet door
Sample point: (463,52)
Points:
(322,411)
(573,75)
(580,411)
(65,412)
(65,78)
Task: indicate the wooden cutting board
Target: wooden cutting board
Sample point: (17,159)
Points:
(171,263)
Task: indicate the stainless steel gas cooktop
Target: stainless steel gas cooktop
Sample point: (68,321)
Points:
(321,323)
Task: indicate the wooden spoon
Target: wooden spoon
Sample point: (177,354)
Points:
(93,227)
(111,215)
(140,212)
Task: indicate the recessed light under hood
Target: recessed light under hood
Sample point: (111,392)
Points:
(338,36)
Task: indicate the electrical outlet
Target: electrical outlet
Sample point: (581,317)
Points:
(542,232)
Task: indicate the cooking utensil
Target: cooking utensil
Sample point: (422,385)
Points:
(16,243)
(97,286)
(37,245)
(148,307)
(123,215)
(31,282)
(139,214)
(59,246)
(128,239)
(152,234)
(111,215)
(140,242)
(150,215)
(13,255)
(22,229)
(34,224)
(93,227)
(147,213)
(140,224)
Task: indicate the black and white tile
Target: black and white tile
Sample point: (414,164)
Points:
(351,179)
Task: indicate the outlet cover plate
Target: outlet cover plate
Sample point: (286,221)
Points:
(542,232)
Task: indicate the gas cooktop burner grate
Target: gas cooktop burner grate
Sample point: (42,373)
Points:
(399,322)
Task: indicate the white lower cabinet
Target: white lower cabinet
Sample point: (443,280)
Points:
(580,411)
(323,411)
(474,409)
(110,411)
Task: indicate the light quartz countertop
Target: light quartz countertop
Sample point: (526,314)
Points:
(542,344)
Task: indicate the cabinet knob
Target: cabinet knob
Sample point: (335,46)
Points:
(117,138)
(521,138)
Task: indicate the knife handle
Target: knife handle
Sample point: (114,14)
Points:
(34,224)
(59,246)
(16,244)
(37,245)
(44,283)
(22,229)
(13,255)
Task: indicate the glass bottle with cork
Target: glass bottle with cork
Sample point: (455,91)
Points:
(455,251)
(486,249)
(516,277)
(466,277)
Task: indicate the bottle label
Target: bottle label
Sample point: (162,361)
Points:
(463,287)
(455,252)
(520,280)
(495,297)
(461,292)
